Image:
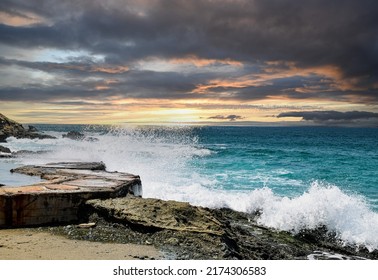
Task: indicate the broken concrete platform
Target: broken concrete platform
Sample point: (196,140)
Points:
(65,188)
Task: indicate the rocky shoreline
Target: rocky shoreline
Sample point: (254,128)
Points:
(11,128)
(179,230)
(185,232)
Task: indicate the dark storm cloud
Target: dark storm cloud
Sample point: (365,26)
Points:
(88,79)
(43,93)
(229,117)
(210,106)
(134,84)
(313,33)
(335,117)
(82,66)
(330,115)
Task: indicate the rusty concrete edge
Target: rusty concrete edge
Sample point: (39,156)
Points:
(118,188)
(128,185)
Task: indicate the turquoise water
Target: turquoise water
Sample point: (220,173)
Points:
(297,177)
(288,159)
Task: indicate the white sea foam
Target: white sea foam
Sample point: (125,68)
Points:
(347,215)
(165,165)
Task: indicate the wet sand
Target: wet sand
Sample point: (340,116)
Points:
(28,244)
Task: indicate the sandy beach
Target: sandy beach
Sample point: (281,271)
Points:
(28,244)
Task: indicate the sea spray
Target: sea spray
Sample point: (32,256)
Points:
(346,215)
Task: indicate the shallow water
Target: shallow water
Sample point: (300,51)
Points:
(13,179)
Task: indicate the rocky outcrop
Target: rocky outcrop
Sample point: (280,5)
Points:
(74,135)
(3,137)
(63,190)
(159,214)
(10,128)
(78,136)
(183,231)
(4,150)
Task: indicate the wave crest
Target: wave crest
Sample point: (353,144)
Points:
(322,205)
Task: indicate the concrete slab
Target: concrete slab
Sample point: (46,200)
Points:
(67,187)
(94,183)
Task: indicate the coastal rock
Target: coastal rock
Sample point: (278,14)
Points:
(32,128)
(22,153)
(3,137)
(183,231)
(74,135)
(10,128)
(159,214)
(4,150)
(78,136)
(35,136)
(4,155)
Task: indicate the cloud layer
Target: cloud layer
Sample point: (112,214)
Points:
(229,117)
(335,117)
(241,50)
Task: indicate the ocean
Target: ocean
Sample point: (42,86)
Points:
(296,177)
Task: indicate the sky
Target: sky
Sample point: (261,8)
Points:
(233,62)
